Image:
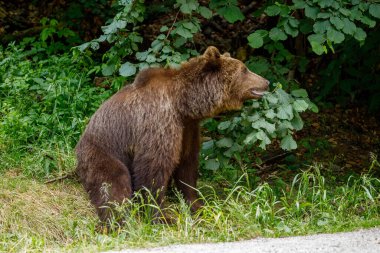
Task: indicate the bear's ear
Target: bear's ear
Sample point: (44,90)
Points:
(226,54)
(212,52)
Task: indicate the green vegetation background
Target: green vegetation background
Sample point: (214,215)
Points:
(56,72)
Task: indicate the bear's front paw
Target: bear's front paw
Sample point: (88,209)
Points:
(196,205)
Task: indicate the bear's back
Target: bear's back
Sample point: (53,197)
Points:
(137,113)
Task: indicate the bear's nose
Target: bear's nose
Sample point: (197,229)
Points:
(267,82)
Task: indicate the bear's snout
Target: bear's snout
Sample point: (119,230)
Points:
(259,86)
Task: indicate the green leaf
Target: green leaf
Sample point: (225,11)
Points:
(224,125)
(166,49)
(290,30)
(283,127)
(231,13)
(283,97)
(285,112)
(356,13)
(288,143)
(263,124)
(311,12)
(366,20)
(141,56)
(259,65)
(254,117)
(190,26)
(300,105)
(293,22)
(233,150)
(205,12)
(111,28)
(273,10)
(313,107)
(121,24)
(182,31)
(301,93)
(127,69)
(335,36)
(45,34)
(261,135)
(317,38)
(251,138)
(325,3)
(270,114)
(224,143)
(297,122)
(360,34)
(272,99)
(299,4)
(151,58)
(324,15)
(374,10)
(337,22)
(188,6)
(208,145)
(179,42)
(164,28)
(318,48)
(344,11)
(262,32)
(212,164)
(255,40)
(84,46)
(349,27)
(108,70)
(277,34)
(321,26)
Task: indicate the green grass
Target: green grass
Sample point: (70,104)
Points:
(35,216)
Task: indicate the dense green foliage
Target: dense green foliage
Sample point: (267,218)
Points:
(44,101)
(58,95)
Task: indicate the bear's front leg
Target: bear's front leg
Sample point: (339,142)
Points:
(186,174)
(154,173)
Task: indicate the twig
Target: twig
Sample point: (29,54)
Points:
(249,7)
(171,28)
(276,157)
(67,176)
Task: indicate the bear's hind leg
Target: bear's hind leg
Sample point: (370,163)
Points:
(104,177)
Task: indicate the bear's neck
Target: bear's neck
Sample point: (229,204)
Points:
(199,93)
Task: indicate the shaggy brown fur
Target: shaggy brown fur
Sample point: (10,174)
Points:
(148,132)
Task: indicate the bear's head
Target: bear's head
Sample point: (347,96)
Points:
(218,83)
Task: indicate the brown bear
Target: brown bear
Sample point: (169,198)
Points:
(148,132)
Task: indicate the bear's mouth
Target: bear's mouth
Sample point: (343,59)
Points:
(257,93)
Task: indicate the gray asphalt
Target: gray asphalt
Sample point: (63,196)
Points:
(361,241)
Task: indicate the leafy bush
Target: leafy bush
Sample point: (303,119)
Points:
(326,23)
(44,101)
(58,96)
(277,116)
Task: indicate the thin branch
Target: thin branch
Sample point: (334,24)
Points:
(67,176)
(249,7)
(171,28)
